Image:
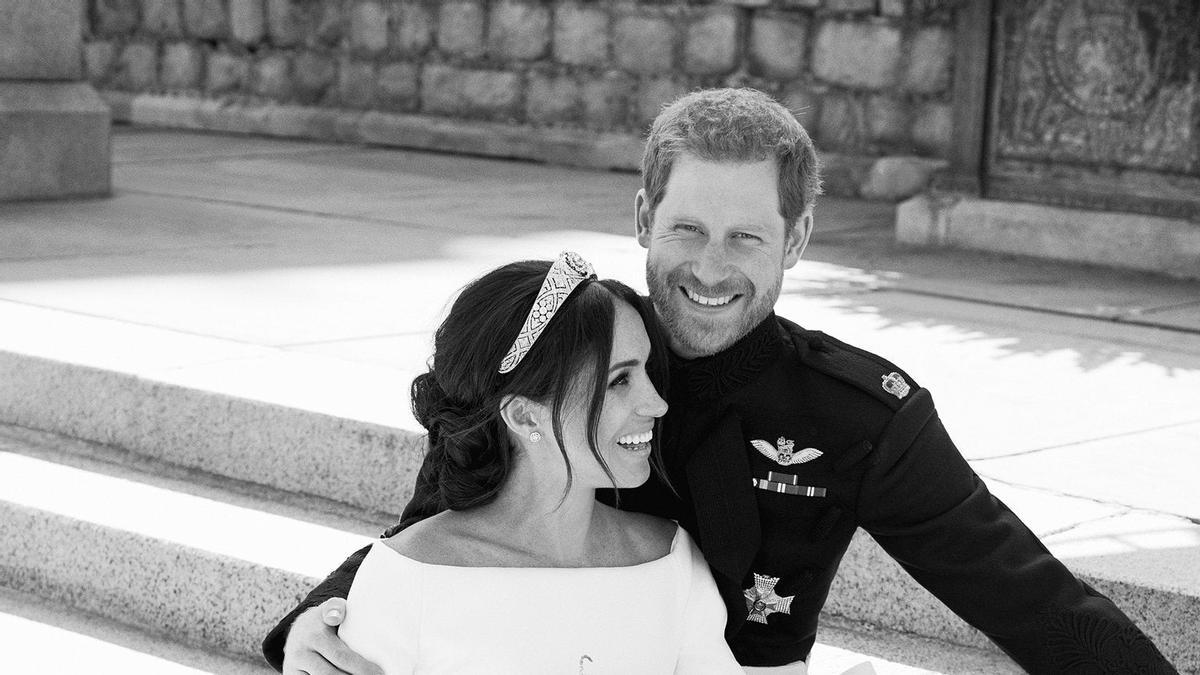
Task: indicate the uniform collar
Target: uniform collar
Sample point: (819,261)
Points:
(716,376)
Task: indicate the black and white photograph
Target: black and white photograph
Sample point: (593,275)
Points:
(600,337)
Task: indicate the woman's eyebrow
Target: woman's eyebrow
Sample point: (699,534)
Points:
(624,364)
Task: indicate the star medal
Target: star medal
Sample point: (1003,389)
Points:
(785,454)
(761,600)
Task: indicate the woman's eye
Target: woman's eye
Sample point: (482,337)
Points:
(619,380)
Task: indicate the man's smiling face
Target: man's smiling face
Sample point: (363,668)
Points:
(716,251)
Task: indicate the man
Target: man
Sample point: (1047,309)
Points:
(781,442)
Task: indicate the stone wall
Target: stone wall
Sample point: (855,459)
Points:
(868,78)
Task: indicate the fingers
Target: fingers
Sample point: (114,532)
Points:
(345,659)
(333,611)
(313,646)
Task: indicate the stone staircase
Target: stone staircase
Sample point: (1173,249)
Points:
(198,518)
(165,528)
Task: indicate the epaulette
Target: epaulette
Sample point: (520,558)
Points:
(859,368)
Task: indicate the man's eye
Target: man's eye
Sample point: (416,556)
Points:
(687,228)
(747,236)
(619,380)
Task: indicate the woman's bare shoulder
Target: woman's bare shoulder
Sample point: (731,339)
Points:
(435,540)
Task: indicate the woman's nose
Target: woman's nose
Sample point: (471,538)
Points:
(654,405)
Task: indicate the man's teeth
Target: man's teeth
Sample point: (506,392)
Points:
(636,439)
(711,302)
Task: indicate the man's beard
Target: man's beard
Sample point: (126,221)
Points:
(693,336)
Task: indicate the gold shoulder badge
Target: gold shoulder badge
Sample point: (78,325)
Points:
(783,452)
(894,384)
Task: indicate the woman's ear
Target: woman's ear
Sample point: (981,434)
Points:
(521,415)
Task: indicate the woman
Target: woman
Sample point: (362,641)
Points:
(540,393)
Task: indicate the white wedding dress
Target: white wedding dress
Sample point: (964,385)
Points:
(663,616)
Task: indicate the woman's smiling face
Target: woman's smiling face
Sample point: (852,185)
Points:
(631,406)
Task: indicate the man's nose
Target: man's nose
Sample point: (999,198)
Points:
(711,267)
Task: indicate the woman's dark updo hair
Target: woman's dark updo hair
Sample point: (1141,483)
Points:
(458,401)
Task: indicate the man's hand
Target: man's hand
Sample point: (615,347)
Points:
(314,648)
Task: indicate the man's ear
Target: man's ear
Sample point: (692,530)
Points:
(797,239)
(520,415)
(642,219)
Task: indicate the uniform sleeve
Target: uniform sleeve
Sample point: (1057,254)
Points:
(703,650)
(926,507)
(336,585)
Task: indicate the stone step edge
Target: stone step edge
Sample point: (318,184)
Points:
(189,595)
(49,635)
(889,178)
(362,464)
(864,562)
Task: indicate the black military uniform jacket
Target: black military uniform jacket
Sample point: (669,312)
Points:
(780,447)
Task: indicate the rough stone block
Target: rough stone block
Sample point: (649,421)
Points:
(205,19)
(329,23)
(843,175)
(225,73)
(887,119)
(137,67)
(896,178)
(850,5)
(893,8)
(286,22)
(652,95)
(470,92)
(272,78)
(518,30)
(857,54)
(40,40)
(368,27)
(399,86)
(413,28)
(606,100)
(356,84)
(643,43)
(460,28)
(710,45)
(933,128)
(580,34)
(98,58)
(162,17)
(182,63)
(247,21)
(778,44)
(313,75)
(551,98)
(841,126)
(114,17)
(805,104)
(929,56)
(56,141)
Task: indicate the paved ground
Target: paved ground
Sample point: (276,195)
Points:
(312,274)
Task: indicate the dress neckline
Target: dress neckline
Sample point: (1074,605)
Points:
(670,553)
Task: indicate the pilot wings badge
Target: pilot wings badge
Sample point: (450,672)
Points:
(783,453)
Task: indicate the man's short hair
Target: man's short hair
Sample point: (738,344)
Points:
(734,125)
